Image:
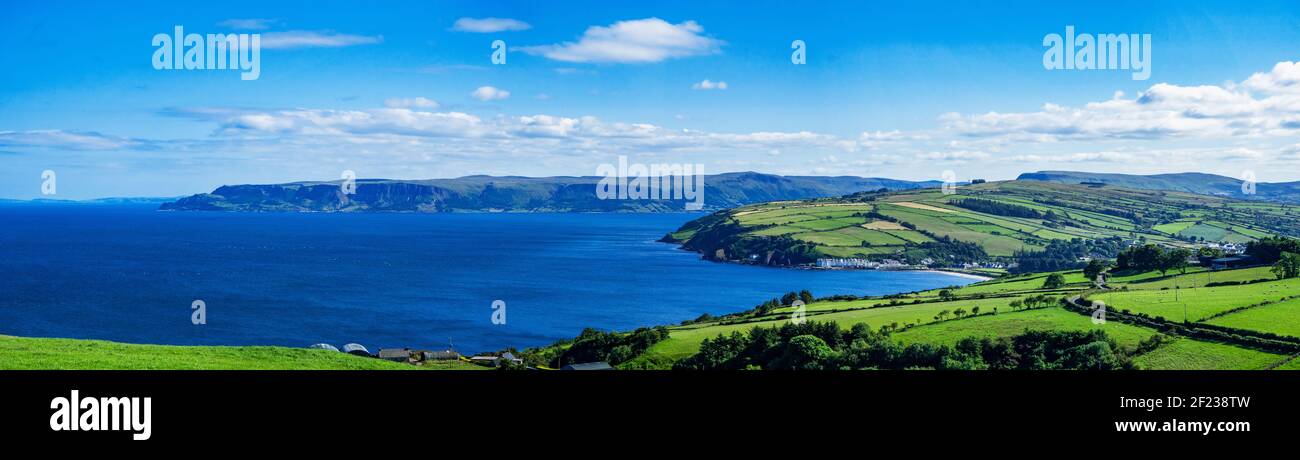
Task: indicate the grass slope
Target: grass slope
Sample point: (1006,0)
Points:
(1144,293)
(1198,303)
(1281,318)
(41,353)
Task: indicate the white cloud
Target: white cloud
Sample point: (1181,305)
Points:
(248,24)
(1290,153)
(954,155)
(314,39)
(489,25)
(633,41)
(1166,128)
(708,85)
(461,133)
(56,139)
(412,102)
(1197,157)
(324,122)
(1283,78)
(879,139)
(1241,153)
(1265,104)
(488,93)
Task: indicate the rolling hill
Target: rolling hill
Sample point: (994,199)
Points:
(1205,184)
(994,220)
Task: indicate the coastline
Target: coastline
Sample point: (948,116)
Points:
(970,276)
(977,278)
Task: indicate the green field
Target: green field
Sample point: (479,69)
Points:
(1282,318)
(1065,212)
(1188,354)
(918,324)
(40,353)
(822,224)
(1292,365)
(685,340)
(1004,218)
(1173,228)
(1199,303)
(1012,323)
(1196,277)
(1073,279)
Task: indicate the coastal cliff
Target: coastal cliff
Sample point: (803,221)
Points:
(516,194)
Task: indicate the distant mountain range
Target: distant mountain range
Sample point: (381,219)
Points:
(577,194)
(1201,183)
(519,194)
(111,200)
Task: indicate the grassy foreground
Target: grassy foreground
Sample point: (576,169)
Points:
(73,354)
(1264,305)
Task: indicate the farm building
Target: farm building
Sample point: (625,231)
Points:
(1231,262)
(323,346)
(447,355)
(493,361)
(356,349)
(395,354)
(593,366)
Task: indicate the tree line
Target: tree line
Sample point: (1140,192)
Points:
(1151,257)
(595,345)
(824,346)
(1062,255)
(998,208)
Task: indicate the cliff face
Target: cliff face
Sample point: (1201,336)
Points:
(515,194)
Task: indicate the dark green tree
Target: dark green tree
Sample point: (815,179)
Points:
(1287,266)
(1095,268)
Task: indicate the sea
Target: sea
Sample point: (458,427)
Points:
(470,281)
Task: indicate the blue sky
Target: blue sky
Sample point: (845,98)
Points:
(890,90)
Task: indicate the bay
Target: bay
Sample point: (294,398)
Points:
(129,273)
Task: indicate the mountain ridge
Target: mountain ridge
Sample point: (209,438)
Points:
(1191,182)
(480,193)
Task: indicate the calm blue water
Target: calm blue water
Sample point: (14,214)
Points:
(129,273)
